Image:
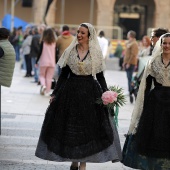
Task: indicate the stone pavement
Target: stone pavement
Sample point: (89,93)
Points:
(23,110)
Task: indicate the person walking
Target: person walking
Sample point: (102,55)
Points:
(35,48)
(130,58)
(63,41)
(46,60)
(26,49)
(147,143)
(103,42)
(119,53)
(76,128)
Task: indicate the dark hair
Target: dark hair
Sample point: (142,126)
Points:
(4,33)
(30,32)
(84,25)
(49,36)
(132,33)
(19,28)
(65,28)
(35,29)
(160,31)
(101,34)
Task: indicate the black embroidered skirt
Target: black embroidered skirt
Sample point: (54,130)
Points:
(75,126)
(153,133)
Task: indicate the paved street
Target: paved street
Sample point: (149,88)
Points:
(23,110)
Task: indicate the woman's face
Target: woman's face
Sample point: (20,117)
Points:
(82,35)
(145,43)
(166,45)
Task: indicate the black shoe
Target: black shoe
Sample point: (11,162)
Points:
(131,99)
(73,168)
(27,75)
(34,81)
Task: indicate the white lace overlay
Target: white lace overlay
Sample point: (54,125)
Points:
(160,72)
(156,69)
(95,53)
(139,103)
(79,67)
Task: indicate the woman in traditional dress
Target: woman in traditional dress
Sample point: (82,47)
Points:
(147,146)
(76,128)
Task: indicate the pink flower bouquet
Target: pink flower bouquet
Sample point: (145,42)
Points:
(109,97)
(113,99)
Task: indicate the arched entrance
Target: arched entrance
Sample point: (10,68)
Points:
(134,15)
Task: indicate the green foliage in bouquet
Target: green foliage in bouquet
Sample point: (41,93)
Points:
(120,98)
(113,107)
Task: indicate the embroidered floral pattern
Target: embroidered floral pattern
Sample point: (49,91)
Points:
(97,61)
(160,72)
(79,67)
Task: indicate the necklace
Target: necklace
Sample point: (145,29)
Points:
(166,63)
(82,50)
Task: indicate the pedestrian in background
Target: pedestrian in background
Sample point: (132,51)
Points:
(35,48)
(46,60)
(103,42)
(15,42)
(26,49)
(63,41)
(146,47)
(130,58)
(76,128)
(147,144)
(155,34)
(119,54)
(7,58)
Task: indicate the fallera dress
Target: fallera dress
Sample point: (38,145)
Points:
(149,147)
(75,127)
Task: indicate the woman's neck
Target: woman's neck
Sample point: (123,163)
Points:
(84,47)
(166,56)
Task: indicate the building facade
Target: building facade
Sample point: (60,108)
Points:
(115,17)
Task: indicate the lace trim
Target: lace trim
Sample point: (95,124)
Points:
(139,103)
(162,75)
(160,72)
(78,67)
(95,52)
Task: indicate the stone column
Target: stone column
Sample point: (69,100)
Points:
(162,13)
(50,18)
(105,15)
(38,11)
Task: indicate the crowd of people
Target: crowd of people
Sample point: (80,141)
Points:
(75,127)
(38,48)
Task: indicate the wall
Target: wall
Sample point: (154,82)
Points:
(20,12)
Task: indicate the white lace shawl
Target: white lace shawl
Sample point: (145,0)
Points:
(156,69)
(98,64)
(77,67)
(139,102)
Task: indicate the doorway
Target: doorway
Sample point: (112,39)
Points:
(128,24)
(134,15)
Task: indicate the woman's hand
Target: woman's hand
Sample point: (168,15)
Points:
(52,99)
(127,66)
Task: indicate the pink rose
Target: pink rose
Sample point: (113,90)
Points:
(109,97)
